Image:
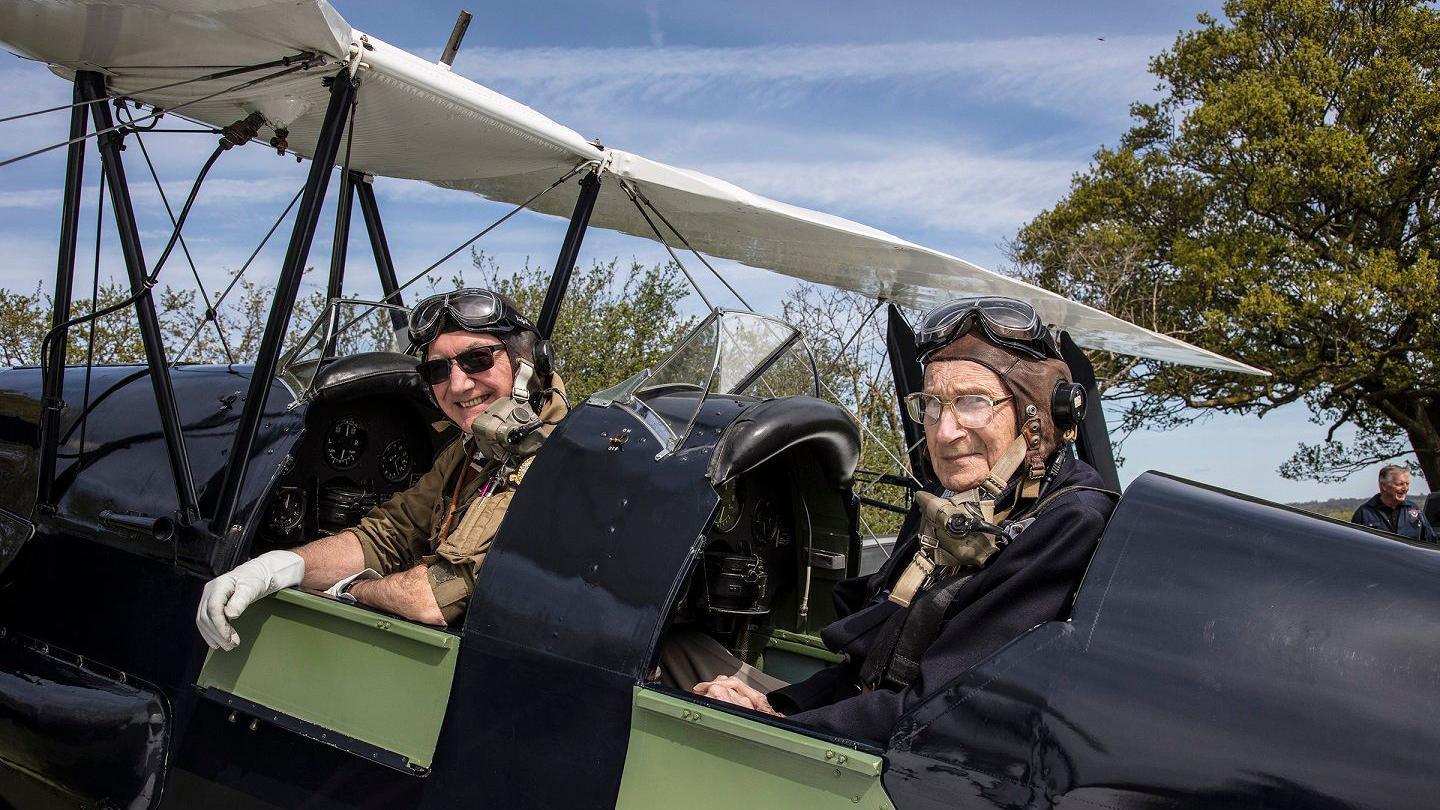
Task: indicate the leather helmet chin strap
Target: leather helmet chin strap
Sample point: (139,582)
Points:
(959,530)
(520,387)
(1006,466)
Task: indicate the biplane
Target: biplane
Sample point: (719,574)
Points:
(1222,651)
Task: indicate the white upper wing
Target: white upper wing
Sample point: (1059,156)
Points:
(416,119)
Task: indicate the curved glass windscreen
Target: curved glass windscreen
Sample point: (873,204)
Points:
(344,327)
(730,353)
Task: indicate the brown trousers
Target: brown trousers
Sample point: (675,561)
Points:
(689,656)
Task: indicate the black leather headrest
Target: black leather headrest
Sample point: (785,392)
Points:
(768,428)
(367,374)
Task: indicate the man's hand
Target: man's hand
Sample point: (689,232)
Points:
(730,689)
(226,596)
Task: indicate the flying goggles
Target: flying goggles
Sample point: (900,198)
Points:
(1005,322)
(473,310)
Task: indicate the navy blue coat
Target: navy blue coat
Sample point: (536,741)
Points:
(1404,520)
(1030,581)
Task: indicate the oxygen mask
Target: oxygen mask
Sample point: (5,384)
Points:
(510,427)
(956,531)
(507,428)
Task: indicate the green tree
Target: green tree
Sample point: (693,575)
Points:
(1278,204)
(611,325)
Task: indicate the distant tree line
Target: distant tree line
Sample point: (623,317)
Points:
(618,318)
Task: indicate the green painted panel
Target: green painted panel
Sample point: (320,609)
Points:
(378,679)
(793,657)
(683,754)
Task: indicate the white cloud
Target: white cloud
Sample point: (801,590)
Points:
(930,186)
(1070,73)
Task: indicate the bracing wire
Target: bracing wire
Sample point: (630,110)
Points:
(468,242)
(184,248)
(688,246)
(899,465)
(223,74)
(858,330)
(241,272)
(630,192)
(130,124)
(150,280)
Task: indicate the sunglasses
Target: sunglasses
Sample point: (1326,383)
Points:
(470,361)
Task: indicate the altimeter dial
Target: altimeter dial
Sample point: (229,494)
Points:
(344,443)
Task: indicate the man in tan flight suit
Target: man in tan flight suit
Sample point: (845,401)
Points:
(418,554)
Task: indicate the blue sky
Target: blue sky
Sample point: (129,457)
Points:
(947,123)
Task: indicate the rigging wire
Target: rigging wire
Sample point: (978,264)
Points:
(899,465)
(631,193)
(858,330)
(223,74)
(149,280)
(194,272)
(236,278)
(492,226)
(688,246)
(159,112)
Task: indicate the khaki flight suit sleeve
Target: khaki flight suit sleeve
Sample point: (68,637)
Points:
(395,534)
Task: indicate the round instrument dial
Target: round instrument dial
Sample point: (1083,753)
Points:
(344,443)
(287,509)
(396,462)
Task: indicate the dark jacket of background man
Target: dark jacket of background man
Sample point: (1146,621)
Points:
(1389,511)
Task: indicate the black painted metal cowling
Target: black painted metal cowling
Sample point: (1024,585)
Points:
(124,465)
(1223,652)
(572,600)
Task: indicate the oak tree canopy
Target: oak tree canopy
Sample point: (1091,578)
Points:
(1278,204)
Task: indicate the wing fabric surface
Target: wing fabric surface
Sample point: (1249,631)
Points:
(417,120)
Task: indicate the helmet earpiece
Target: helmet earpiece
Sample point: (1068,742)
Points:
(1067,405)
(544,356)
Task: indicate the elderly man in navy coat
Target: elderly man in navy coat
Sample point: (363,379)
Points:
(1000,410)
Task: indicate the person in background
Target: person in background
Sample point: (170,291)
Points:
(1389,511)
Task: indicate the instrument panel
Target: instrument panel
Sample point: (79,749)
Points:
(355,455)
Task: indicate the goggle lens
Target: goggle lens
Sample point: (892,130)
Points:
(1006,321)
(470,308)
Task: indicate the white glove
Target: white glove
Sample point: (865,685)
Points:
(226,596)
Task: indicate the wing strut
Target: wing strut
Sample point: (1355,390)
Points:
(342,92)
(569,251)
(109,142)
(64,282)
(389,284)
